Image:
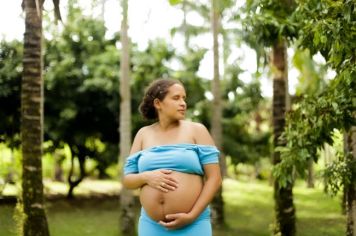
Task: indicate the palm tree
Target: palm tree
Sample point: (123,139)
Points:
(127,217)
(284,207)
(216,128)
(35,222)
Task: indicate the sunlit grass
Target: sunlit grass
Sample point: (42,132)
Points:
(94,218)
(7,224)
(248,212)
(86,187)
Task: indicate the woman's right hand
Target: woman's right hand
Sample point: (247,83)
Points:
(161,180)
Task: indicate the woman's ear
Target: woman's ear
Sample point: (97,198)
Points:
(157,104)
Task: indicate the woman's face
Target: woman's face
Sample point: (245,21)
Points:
(173,105)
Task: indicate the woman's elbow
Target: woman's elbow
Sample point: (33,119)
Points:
(126,183)
(130,182)
(216,180)
(219,181)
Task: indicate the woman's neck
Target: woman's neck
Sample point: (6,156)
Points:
(165,124)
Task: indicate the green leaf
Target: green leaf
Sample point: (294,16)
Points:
(174,2)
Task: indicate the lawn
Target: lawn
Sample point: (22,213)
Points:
(248,208)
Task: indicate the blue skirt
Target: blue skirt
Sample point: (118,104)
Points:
(201,226)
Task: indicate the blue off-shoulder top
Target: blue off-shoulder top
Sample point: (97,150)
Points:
(185,157)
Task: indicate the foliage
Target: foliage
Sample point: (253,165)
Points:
(311,79)
(264,22)
(80,65)
(330,28)
(240,100)
(147,65)
(10,80)
(195,86)
(310,124)
(174,2)
(81,88)
(315,117)
(339,173)
(244,114)
(269,20)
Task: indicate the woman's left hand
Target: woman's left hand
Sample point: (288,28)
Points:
(175,221)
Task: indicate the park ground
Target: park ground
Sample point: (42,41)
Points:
(248,210)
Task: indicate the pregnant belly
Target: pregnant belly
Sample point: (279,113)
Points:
(157,204)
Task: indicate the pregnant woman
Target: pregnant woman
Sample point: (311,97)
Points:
(175,163)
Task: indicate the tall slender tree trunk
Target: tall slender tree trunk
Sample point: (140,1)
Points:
(184,25)
(127,216)
(350,189)
(59,157)
(328,156)
(10,177)
(35,222)
(216,117)
(103,2)
(310,182)
(283,196)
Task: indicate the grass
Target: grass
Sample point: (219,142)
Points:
(248,212)
(90,217)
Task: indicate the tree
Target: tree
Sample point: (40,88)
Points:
(313,121)
(350,187)
(283,195)
(245,111)
(35,221)
(10,87)
(216,126)
(127,204)
(10,100)
(271,25)
(80,64)
(311,81)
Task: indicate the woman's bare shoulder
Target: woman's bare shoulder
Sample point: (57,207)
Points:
(145,130)
(199,132)
(193,125)
(139,140)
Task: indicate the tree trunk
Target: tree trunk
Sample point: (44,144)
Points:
(216,116)
(350,192)
(344,190)
(328,156)
(35,221)
(59,157)
(184,26)
(103,2)
(310,182)
(127,214)
(80,154)
(283,196)
(10,177)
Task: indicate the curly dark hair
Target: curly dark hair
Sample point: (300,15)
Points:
(157,89)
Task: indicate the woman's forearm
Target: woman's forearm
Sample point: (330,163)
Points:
(211,186)
(134,181)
